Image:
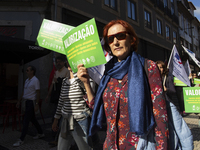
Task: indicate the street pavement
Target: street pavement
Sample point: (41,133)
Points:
(9,137)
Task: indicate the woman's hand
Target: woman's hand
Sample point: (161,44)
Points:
(54,125)
(84,77)
(82,74)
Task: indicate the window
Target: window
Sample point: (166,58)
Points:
(189,29)
(194,48)
(186,26)
(182,21)
(167,32)
(174,37)
(131,7)
(172,7)
(186,44)
(111,3)
(165,3)
(147,19)
(158,2)
(159,27)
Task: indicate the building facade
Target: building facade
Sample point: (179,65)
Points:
(189,31)
(159,25)
(155,21)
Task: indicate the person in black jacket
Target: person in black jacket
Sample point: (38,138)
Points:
(168,83)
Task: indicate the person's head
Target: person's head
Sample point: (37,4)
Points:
(68,66)
(162,67)
(31,70)
(194,74)
(60,61)
(120,39)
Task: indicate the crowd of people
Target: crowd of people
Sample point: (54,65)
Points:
(134,99)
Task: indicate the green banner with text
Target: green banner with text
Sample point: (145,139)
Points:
(82,46)
(178,82)
(191,99)
(51,34)
(196,81)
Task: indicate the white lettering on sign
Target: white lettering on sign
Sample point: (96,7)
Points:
(81,34)
(192,92)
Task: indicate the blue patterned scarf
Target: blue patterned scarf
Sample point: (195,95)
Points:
(140,111)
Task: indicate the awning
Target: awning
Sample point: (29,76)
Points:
(14,50)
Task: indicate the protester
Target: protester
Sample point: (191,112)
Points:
(194,75)
(130,96)
(30,97)
(123,96)
(75,113)
(168,83)
(54,90)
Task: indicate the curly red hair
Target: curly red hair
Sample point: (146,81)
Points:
(129,29)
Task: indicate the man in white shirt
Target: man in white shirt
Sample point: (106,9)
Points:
(30,96)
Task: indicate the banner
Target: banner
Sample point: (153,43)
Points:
(191,99)
(176,67)
(187,68)
(82,46)
(50,35)
(178,82)
(192,55)
(196,81)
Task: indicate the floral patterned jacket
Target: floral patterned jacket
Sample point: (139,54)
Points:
(159,135)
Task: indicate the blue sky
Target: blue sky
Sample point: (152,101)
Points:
(196,3)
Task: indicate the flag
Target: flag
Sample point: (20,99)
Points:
(187,68)
(192,55)
(176,67)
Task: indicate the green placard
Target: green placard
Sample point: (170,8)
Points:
(51,34)
(196,81)
(192,99)
(82,45)
(178,82)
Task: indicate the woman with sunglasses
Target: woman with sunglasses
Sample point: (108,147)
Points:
(129,99)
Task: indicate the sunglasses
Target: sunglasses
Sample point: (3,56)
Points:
(119,36)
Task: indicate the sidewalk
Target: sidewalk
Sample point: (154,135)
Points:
(193,123)
(9,137)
